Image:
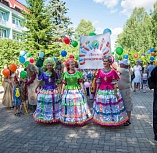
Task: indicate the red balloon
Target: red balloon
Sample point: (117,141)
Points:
(153,53)
(31,60)
(13,67)
(136,55)
(6,72)
(66,40)
(71,56)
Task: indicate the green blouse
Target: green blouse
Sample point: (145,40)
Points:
(72,80)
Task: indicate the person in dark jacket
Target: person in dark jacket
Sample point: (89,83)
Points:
(153,78)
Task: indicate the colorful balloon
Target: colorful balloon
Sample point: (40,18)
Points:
(119,50)
(31,60)
(155,62)
(26,63)
(21,59)
(87,84)
(22,53)
(76,57)
(63,53)
(41,54)
(23,74)
(66,40)
(71,56)
(107,30)
(6,72)
(92,34)
(152,50)
(135,55)
(142,57)
(151,58)
(29,54)
(13,67)
(152,53)
(125,56)
(55,59)
(74,43)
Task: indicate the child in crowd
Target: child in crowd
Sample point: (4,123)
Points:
(16,99)
(144,79)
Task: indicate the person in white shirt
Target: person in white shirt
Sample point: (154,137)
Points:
(125,87)
(137,69)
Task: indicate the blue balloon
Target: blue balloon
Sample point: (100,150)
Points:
(41,54)
(107,31)
(152,50)
(22,53)
(152,58)
(64,53)
(54,59)
(148,52)
(21,59)
(125,56)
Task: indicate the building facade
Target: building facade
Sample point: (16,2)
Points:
(11,19)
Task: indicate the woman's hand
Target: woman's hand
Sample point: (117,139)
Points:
(62,92)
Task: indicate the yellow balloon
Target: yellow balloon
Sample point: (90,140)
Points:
(142,57)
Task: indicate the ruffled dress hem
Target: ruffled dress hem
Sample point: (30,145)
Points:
(77,123)
(46,121)
(111,123)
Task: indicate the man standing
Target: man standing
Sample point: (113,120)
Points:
(153,78)
(150,68)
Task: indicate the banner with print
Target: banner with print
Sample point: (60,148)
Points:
(92,49)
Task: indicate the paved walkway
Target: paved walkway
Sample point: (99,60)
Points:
(23,134)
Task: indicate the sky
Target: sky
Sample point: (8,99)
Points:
(104,14)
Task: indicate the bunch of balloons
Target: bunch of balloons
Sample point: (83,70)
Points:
(12,68)
(26,58)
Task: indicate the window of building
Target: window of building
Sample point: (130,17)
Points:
(3,33)
(17,36)
(17,22)
(2,16)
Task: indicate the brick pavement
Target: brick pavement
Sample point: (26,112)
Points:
(23,134)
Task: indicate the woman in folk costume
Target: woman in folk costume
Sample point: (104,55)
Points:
(48,105)
(31,83)
(7,96)
(108,108)
(74,107)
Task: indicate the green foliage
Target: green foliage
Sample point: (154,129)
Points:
(38,24)
(137,36)
(60,22)
(9,52)
(84,28)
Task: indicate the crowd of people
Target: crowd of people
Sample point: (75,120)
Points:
(61,95)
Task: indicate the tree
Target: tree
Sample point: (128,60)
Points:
(38,24)
(9,51)
(60,22)
(84,28)
(137,33)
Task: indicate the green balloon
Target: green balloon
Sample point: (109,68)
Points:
(119,50)
(76,57)
(23,74)
(29,54)
(26,63)
(74,43)
(112,53)
(92,34)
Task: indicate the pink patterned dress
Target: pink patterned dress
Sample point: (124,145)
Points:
(107,109)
